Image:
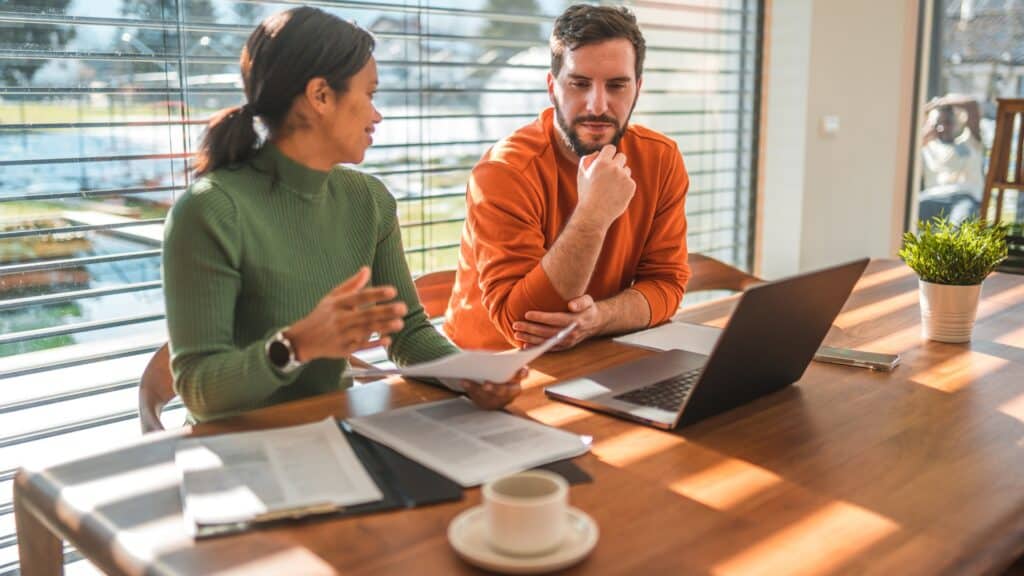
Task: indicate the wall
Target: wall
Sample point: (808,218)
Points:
(828,198)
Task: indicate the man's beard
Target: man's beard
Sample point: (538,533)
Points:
(572,138)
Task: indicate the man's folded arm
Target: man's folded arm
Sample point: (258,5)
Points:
(504,221)
(663,297)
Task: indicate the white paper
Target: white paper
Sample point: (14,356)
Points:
(675,336)
(248,476)
(469,445)
(469,365)
(681,336)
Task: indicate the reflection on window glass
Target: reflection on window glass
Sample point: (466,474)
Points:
(977,58)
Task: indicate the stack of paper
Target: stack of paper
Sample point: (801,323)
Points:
(466,444)
(675,336)
(250,477)
(702,339)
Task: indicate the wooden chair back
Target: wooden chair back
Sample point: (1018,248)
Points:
(1006,160)
(156,389)
(434,290)
(708,273)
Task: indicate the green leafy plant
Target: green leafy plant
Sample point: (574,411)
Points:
(961,255)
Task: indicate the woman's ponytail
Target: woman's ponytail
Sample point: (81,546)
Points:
(230,138)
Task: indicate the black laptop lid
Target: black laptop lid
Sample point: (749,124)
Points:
(770,339)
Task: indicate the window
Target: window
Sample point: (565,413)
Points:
(103,101)
(977,56)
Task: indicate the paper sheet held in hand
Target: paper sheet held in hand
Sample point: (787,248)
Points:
(469,365)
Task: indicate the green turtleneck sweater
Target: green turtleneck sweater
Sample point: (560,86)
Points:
(249,250)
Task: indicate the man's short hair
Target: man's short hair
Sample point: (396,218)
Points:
(583,24)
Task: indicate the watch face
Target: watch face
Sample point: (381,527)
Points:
(278,352)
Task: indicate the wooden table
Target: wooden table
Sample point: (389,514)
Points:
(850,471)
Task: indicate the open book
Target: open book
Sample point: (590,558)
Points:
(469,445)
(233,480)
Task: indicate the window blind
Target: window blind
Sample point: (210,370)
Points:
(102,104)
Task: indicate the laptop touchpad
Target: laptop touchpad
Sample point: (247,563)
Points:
(633,374)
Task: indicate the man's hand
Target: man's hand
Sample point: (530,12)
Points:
(539,326)
(494,395)
(604,186)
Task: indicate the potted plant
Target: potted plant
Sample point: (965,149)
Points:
(951,262)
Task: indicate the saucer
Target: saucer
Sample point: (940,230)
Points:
(466,535)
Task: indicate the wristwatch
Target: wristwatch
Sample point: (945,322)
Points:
(281,353)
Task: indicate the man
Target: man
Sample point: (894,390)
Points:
(952,155)
(577,217)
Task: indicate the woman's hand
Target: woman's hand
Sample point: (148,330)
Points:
(345,320)
(493,395)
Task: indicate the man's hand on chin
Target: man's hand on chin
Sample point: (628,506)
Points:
(539,326)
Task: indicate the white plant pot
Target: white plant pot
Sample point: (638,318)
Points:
(948,312)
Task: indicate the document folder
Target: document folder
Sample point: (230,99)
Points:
(403,483)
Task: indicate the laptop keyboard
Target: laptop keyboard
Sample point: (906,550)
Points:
(668,394)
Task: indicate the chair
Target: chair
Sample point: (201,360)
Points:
(1009,138)
(434,290)
(156,387)
(710,274)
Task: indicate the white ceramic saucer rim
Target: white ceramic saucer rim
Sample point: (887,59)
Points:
(496,561)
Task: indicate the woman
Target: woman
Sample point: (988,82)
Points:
(268,257)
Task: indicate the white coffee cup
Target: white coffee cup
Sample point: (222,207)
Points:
(525,514)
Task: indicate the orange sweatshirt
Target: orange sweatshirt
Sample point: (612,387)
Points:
(519,198)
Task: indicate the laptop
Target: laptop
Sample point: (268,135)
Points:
(771,336)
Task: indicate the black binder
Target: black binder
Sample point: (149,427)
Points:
(404,483)
(407,484)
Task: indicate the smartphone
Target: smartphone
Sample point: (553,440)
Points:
(858,358)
